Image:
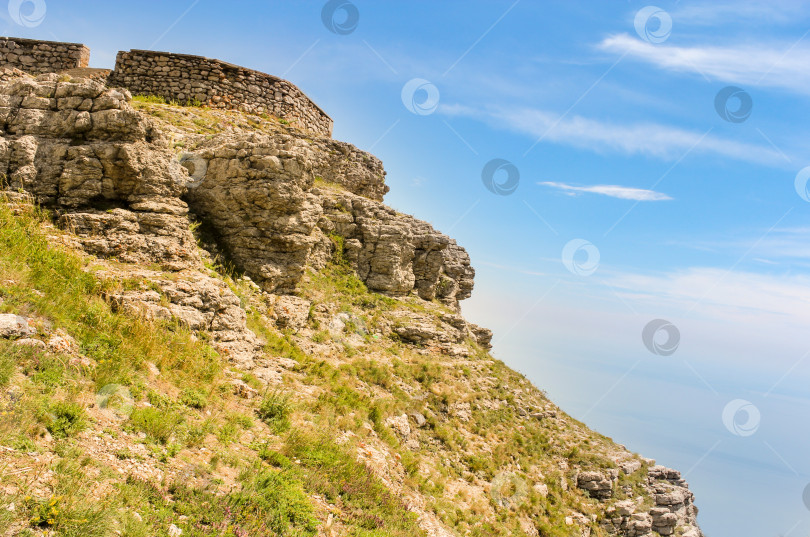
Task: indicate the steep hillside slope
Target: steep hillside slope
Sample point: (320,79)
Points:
(210,324)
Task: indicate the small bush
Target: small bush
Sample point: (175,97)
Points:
(67,419)
(228,433)
(277,500)
(274,458)
(275,410)
(194,433)
(193,398)
(242,420)
(342,399)
(321,337)
(158,400)
(66,517)
(158,425)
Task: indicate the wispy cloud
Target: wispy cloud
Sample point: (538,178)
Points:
(781,298)
(710,14)
(785,66)
(788,248)
(613,191)
(652,139)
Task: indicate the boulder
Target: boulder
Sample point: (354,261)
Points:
(13,326)
(596,484)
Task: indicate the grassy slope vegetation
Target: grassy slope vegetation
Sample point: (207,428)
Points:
(314,453)
(45,417)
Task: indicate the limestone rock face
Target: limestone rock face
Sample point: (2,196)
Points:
(80,148)
(108,170)
(291,312)
(200,303)
(255,194)
(675,503)
(134,236)
(10,73)
(343,164)
(597,484)
(259,192)
(445,335)
(396,253)
(674,511)
(277,202)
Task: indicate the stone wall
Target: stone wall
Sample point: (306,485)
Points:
(38,57)
(178,77)
(217,84)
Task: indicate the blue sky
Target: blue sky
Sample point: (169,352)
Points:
(607,116)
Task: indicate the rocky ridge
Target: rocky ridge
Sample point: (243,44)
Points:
(129,186)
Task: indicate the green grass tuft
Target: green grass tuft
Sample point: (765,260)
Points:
(275,411)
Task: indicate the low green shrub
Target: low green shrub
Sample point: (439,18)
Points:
(159,426)
(193,398)
(66,419)
(274,410)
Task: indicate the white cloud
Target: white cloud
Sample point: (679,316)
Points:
(719,294)
(653,139)
(778,66)
(613,191)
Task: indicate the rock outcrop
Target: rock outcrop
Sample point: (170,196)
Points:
(261,194)
(673,511)
(80,149)
(597,484)
(198,302)
(281,205)
(396,253)
(114,181)
(445,334)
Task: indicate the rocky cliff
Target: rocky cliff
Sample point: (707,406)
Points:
(330,317)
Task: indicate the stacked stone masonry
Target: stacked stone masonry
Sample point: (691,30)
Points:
(38,57)
(176,77)
(214,83)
